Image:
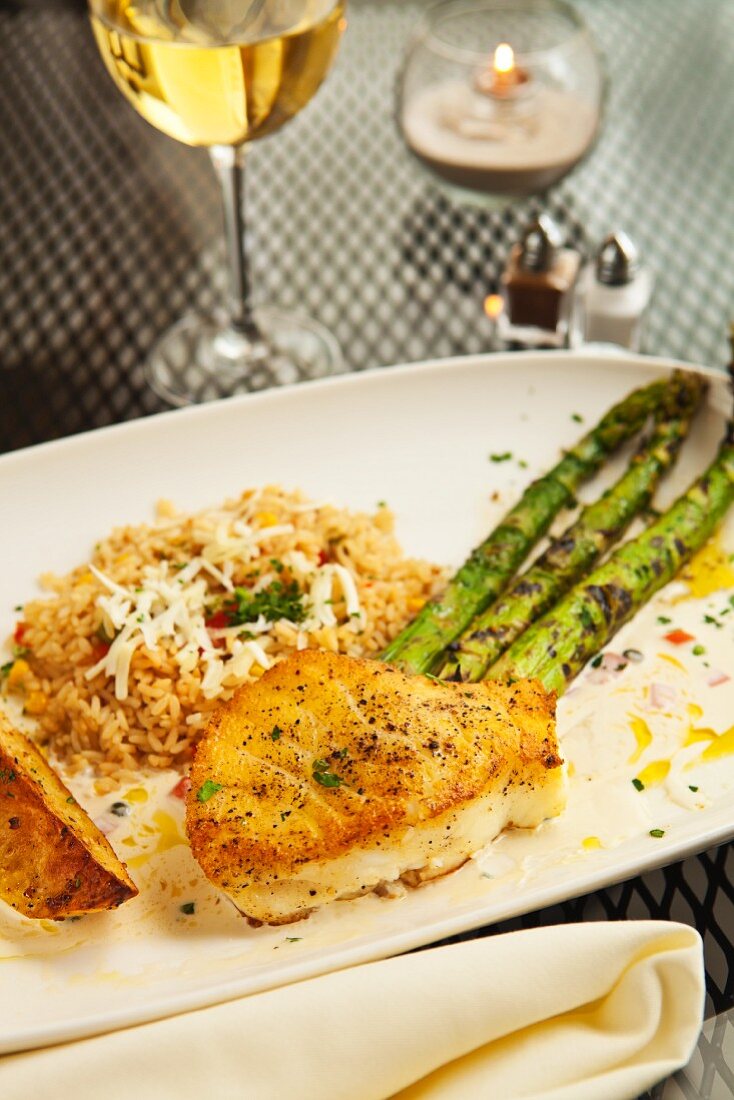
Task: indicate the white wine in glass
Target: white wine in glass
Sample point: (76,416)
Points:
(221,73)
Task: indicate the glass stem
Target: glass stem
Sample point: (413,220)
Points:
(229,164)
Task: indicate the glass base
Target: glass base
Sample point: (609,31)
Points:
(202,358)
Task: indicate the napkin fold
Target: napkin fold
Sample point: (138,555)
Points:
(596,1011)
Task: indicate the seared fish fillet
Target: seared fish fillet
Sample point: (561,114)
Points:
(330,777)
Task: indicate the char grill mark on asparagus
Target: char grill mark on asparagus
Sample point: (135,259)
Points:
(577,549)
(492,564)
(558,646)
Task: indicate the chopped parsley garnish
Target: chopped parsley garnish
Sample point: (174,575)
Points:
(342,753)
(18,607)
(20,650)
(577,418)
(597,661)
(284,814)
(278,600)
(712,621)
(504,456)
(277,565)
(275,733)
(71,800)
(638,784)
(324,777)
(663,620)
(5,669)
(657,832)
(293,939)
(522,463)
(694,789)
(7,775)
(207,789)
(188,907)
(382,504)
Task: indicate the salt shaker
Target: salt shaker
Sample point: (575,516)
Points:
(615,293)
(538,285)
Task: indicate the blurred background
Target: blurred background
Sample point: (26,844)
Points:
(110,231)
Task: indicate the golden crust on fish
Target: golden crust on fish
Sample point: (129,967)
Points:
(332,776)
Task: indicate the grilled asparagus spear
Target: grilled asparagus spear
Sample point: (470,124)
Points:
(559,645)
(492,564)
(571,555)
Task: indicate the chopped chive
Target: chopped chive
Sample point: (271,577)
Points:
(207,790)
(505,456)
(638,784)
(664,620)
(694,789)
(657,832)
(323,776)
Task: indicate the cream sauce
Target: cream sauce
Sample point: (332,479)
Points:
(659,722)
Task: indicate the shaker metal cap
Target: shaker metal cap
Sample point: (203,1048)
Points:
(539,245)
(617,261)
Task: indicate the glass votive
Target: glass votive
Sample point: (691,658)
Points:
(501,98)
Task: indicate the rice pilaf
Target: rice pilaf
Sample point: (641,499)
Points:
(122,664)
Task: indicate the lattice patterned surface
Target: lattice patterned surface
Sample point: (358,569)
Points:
(710,1073)
(109,231)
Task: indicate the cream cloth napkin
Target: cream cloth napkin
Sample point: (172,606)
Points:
(596,1011)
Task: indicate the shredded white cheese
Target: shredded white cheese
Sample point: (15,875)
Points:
(169,607)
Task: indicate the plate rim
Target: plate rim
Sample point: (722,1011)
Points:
(598,354)
(486,914)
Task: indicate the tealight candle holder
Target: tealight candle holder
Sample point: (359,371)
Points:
(501,98)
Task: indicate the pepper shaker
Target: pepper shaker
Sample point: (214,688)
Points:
(615,293)
(538,287)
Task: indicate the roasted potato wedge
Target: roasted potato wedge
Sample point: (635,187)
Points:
(54,861)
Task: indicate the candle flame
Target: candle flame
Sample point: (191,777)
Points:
(493,306)
(504,58)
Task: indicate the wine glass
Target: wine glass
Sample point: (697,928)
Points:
(222,73)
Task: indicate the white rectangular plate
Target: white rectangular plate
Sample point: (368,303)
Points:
(419,437)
